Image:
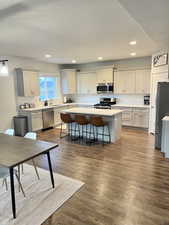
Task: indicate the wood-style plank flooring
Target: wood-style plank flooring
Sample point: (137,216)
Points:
(126,183)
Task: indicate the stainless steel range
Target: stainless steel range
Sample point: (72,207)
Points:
(105,103)
(101,106)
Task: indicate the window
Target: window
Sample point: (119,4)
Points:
(49,88)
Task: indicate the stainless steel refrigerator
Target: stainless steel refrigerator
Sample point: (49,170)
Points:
(162,109)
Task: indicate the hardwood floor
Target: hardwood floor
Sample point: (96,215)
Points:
(126,183)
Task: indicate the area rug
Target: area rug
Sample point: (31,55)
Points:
(41,199)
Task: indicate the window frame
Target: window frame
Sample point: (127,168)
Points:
(58,86)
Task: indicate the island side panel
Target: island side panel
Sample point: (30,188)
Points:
(115,127)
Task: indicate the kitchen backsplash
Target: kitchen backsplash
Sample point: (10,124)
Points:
(121,99)
(36,101)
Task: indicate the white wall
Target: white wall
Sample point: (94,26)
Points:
(7,102)
(7,87)
(159,69)
(158,74)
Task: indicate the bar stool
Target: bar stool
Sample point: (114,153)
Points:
(66,119)
(97,122)
(81,121)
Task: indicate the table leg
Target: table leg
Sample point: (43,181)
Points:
(50,169)
(11,171)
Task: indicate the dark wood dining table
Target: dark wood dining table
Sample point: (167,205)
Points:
(17,150)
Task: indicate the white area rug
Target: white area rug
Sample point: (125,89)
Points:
(41,199)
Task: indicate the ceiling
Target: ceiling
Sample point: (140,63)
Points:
(82,29)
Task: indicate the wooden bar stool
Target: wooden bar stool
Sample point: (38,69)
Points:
(81,121)
(66,119)
(97,122)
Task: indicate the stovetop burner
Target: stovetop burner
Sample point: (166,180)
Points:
(102,106)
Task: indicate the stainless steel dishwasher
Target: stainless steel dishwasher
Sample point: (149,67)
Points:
(48,118)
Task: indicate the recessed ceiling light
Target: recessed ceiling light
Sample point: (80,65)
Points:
(73,61)
(48,56)
(133,54)
(100,58)
(132,42)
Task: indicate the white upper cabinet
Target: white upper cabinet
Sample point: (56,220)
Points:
(86,83)
(68,81)
(105,75)
(124,82)
(27,83)
(142,82)
(31,83)
(132,82)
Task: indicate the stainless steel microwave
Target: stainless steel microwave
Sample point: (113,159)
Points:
(104,88)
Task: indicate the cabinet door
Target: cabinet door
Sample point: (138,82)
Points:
(57,119)
(68,81)
(142,82)
(57,111)
(37,123)
(105,76)
(64,83)
(124,82)
(86,83)
(141,118)
(71,82)
(127,117)
(31,83)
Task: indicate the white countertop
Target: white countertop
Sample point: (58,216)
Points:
(55,106)
(93,111)
(131,106)
(81,104)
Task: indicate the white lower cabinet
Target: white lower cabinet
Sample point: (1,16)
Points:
(36,120)
(141,118)
(57,111)
(57,119)
(127,117)
(135,117)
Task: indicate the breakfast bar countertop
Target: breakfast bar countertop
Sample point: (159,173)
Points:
(93,111)
(74,104)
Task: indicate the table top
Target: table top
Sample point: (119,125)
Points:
(93,111)
(16,150)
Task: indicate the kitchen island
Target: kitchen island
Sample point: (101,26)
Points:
(113,117)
